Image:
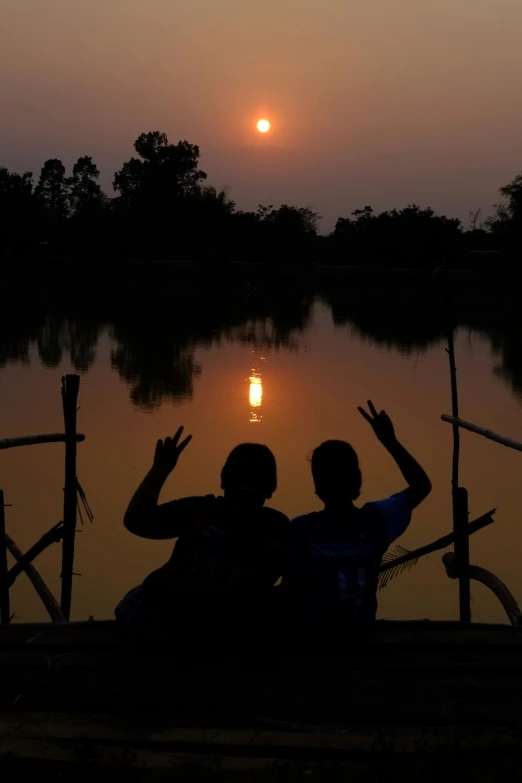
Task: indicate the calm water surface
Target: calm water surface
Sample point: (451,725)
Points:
(287,369)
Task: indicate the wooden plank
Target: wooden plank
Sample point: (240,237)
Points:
(455,421)
(379,763)
(101,632)
(33,440)
(396,661)
(461,548)
(390,633)
(41,736)
(5,611)
(70,388)
(107,729)
(417,711)
(242,701)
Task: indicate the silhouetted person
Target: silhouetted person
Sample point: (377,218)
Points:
(229,553)
(336,553)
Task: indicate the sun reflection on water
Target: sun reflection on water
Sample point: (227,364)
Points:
(255,397)
(255,393)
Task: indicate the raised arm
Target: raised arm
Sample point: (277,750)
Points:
(419,485)
(142,516)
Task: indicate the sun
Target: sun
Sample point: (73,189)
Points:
(263,126)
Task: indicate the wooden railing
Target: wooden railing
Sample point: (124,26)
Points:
(64,531)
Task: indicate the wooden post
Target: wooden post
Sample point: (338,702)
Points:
(5,612)
(459,496)
(455,429)
(462,553)
(70,387)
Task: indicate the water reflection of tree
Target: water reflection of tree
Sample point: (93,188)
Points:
(413,320)
(18,332)
(400,320)
(501,322)
(60,336)
(155,338)
(156,362)
(154,344)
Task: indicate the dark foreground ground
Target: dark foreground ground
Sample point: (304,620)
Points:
(419,701)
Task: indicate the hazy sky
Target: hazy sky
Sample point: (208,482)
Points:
(382,102)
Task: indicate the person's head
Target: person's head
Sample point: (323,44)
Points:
(249,474)
(336,473)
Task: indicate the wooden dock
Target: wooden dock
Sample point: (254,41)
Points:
(81,691)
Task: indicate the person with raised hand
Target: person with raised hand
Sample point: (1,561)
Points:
(333,571)
(230,549)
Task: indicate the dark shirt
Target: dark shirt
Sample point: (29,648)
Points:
(334,565)
(222,570)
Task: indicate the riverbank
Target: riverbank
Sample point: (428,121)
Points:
(33,274)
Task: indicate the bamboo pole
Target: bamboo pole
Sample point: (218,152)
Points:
(53,536)
(70,387)
(489,434)
(32,440)
(462,553)
(5,612)
(47,598)
(460,520)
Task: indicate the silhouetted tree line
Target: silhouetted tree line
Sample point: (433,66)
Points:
(164,209)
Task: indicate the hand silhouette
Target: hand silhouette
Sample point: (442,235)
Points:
(168,451)
(380,423)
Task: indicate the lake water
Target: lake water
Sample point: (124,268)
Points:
(257,362)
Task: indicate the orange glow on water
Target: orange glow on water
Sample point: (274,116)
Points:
(255,397)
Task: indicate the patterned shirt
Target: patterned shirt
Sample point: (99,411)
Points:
(223,566)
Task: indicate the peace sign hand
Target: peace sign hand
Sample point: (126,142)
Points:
(168,451)
(380,423)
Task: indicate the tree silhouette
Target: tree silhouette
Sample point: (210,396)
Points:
(17,213)
(156,194)
(164,209)
(52,190)
(165,172)
(290,221)
(85,193)
(409,236)
(506,224)
(474,217)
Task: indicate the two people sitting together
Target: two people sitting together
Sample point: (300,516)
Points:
(231,550)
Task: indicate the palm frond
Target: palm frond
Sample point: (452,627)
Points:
(396,562)
(399,559)
(394,554)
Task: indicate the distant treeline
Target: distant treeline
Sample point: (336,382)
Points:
(164,209)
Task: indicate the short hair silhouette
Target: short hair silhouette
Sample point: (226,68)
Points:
(336,472)
(250,465)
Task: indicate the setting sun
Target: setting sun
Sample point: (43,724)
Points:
(263,126)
